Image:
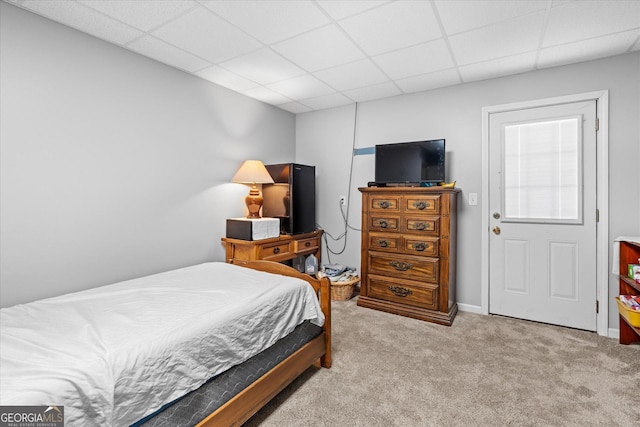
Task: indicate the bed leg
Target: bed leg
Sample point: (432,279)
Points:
(325,305)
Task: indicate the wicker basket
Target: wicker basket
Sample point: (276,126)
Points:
(342,291)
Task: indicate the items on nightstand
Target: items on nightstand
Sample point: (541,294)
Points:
(311,264)
(253,172)
(253,228)
(292,197)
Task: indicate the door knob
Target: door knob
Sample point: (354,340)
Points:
(496,230)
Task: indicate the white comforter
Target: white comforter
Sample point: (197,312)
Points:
(114,354)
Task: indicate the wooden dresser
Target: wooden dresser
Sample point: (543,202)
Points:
(409,252)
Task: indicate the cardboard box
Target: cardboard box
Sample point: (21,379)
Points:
(253,228)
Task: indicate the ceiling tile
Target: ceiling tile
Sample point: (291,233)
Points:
(415,60)
(353,75)
(163,52)
(206,35)
(327,101)
(342,9)
(82,18)
(393,26)
(511,37)
(294,107)
(263,94)
(586,50)
(383,90)
(226,78)
(322,48)
(270,21)
(595,19)
(498,67)
(144,15)
(429,81)
(263,66)
(305,50)
(464,15)
(301,87)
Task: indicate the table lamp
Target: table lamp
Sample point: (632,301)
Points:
(253,172)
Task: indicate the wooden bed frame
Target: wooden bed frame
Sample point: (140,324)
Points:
(245,404)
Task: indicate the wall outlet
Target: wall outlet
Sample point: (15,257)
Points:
(343,200)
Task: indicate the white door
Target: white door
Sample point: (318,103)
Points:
(542,195)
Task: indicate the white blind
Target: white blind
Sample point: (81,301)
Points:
(542,170)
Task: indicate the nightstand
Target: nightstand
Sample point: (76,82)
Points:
(279,249)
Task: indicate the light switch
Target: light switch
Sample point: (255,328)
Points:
(473,199)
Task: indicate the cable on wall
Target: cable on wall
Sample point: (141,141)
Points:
(345,215)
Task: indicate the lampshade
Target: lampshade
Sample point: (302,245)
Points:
(253,172)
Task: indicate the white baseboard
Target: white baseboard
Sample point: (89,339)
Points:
(614,333)
(470,308)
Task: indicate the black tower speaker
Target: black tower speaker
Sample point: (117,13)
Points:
(292,197)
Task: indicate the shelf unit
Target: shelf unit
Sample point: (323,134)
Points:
(629,254)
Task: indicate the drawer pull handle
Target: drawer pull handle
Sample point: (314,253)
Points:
(383,243)
(384,204)
(400,291)
(307,244)
(421,226)
(276,250)
(383,223)
(421,205)
(420,246)
(400,266)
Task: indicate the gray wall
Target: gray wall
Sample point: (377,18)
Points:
(326,139)
(113,165)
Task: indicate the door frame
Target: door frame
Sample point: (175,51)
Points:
(602,196)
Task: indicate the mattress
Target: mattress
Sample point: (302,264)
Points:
(198,404)
(115,354)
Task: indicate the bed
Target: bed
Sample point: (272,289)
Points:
(158,350)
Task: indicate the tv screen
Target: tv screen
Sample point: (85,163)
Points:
(410,162)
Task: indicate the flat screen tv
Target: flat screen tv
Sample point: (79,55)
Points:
(414,162)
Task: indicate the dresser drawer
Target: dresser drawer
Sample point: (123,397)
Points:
(384,223)
(385,203)
(275,251)
(423,204)
(418,245)
(422,225)
(403,291)
(306,245)
(384,242)
(424,269)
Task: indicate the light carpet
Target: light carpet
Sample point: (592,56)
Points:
(390,370)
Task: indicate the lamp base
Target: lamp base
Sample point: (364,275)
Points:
(254,203)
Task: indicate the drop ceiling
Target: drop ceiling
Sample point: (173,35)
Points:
(309,55)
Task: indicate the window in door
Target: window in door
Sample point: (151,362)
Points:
(542,173)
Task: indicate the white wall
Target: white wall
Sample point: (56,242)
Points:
(114,166)
(454,113)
